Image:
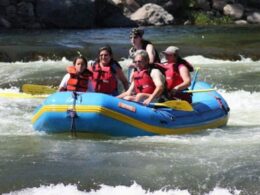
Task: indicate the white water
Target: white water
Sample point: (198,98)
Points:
(134,189)
(209,155)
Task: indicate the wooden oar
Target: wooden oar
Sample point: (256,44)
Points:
(38,89)
(20,95)
(175,104)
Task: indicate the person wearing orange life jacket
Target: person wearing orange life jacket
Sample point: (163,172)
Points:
(107,72)
(177,74)
(78,77)
(147,83)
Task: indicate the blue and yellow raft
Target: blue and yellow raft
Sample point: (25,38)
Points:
(103,114)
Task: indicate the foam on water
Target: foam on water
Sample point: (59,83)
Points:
(134,189)
(198,59)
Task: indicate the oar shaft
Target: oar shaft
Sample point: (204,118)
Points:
(199,90)
(194,78)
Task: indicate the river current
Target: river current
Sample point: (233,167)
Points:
(215,161)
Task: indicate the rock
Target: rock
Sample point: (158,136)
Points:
(108,15)
(254,18)
(203,4)
(187,22)
(218,4)
(241,22)
(10,11)
(174,7)
(235,10)
(132,5)
(4,57)
(152,14)
(5,23)
(25,9)
(4,3)
(66,14)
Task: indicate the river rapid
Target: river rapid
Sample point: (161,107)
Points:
(215,161)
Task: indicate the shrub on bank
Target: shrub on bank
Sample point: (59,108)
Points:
(202,18)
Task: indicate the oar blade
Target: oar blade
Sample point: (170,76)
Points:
(20,95)
(37,89)
(176,104)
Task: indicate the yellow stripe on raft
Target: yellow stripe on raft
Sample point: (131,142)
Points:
(129,120)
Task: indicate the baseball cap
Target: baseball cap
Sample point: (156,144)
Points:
(171,50)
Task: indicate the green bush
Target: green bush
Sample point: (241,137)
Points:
(201,18)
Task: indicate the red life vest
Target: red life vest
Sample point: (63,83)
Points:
(143,82)
(78,82)
(104,79)
(173,78)
(172,74)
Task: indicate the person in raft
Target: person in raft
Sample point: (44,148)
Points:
(77,77)
(147,82)
(106,73)
(137,41)
(177,74)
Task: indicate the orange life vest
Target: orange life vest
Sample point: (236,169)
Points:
(78,82)
(104,79)
(143,83)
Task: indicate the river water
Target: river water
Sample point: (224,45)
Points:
(216,161)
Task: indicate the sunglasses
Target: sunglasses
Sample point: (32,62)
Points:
(137,62)
(105,55)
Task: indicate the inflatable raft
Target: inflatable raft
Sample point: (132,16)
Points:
(103,114)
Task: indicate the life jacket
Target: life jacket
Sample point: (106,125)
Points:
(104,79)
(78,82)
(143,83)
(144,45)
(173,78)
(172,74)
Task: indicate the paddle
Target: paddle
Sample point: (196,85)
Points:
(174,104)
(20,95)
(38,89)
(199,90)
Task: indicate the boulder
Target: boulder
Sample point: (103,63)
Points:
(25,9)
(241,22)
(152,14)
(203,4)
(218,4)
(66,14)
(234,10)
(10,11)
(4,3)
(254,18)
(5,23)
(110,15)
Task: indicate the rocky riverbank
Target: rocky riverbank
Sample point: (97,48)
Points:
(46,14)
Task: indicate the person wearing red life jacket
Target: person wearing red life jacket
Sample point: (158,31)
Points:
(138,42)
(177,74)
(106,73)
(147,83)
(78,77)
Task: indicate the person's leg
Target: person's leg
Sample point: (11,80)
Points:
(140,97)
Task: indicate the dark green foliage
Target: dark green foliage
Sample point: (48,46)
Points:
(201,18)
